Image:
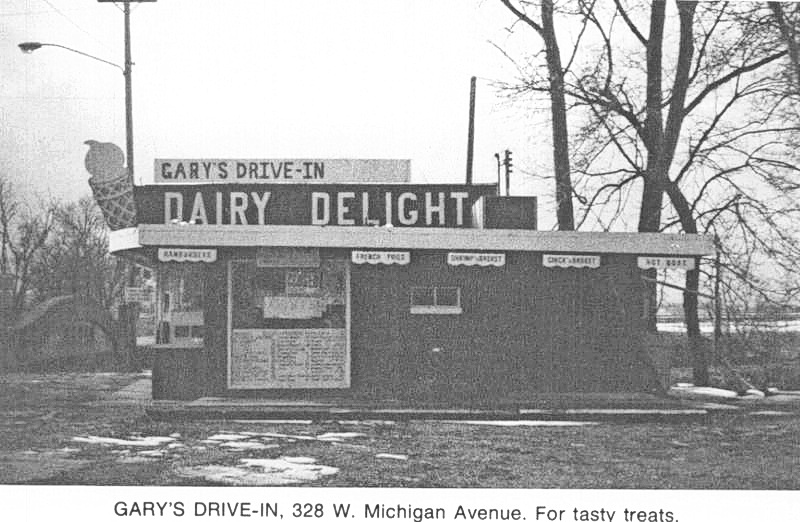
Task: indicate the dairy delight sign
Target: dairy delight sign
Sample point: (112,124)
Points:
(295,170)
(401,205)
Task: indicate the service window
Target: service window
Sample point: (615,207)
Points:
(289,325)
(435,300)
(179,311)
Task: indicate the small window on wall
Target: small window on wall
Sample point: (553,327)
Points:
(180,317)
(436,300)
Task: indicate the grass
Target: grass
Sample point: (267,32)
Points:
(39,415)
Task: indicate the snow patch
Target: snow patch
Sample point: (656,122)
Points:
(339,436)
(367,422)
(273,435)
(262,472)
(685,391)
(391,456)
(243,445)
(152,453)
(133,441)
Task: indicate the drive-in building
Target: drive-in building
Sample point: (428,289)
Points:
(333,278)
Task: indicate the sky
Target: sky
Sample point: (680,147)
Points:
(263,79)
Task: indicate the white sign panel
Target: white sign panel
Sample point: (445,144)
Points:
(570,261)
(289,358)
(378,257)
(475,259)
(206,255)
(139,294)
(680,263)
(292,307)
(295,170)
(282,257)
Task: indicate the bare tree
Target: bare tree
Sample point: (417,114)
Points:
(558,109)
(24,232)
(8,213)
(692,108)
(76,259)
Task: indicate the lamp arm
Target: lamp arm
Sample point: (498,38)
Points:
(85,54)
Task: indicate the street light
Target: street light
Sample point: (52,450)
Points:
(29,47)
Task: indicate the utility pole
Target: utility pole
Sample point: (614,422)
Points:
(471,129)
(128,312)
(127,73)
(499,172)
(507,163)
(128,90)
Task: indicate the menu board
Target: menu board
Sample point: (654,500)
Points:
(289,358)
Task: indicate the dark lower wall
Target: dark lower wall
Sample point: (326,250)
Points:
(214,367)
(525,329)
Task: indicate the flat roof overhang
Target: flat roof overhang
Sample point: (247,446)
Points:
(411,238)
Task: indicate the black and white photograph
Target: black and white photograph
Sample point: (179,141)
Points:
(400,260)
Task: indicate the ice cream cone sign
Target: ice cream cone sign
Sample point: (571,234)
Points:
(111,183)
(104,160)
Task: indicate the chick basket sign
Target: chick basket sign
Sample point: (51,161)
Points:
(281,204)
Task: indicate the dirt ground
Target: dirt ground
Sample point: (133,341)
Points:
(87,429)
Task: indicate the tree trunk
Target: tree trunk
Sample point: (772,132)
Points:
(699,353)
(697,348)
(789,35)
(652,191)
(558,111)
(650,221)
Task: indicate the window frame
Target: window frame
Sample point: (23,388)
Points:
(435,308)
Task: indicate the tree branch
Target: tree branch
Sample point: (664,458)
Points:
(639,36)
(730,76)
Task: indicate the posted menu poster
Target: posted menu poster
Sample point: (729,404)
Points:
(290,358)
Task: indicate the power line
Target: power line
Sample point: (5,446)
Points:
(35,13)
(74,24)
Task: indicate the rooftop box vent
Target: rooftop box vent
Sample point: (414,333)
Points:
(509,212)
